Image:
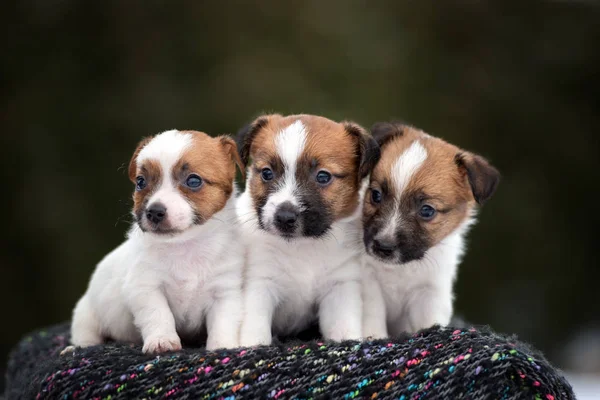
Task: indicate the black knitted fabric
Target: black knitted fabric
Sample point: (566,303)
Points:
(437,363)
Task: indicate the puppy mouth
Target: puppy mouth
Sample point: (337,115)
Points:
(387,255)
(158,229)
(161,229)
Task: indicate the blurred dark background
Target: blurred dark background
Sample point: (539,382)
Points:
(82,82)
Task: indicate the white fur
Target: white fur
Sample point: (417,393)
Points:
(289,143)
(417,294)
(155,288)
(407,165)
(167,148)
(403,169)
(290,283)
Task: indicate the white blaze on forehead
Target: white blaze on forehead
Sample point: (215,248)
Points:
(403,170)
(167,149)
(289,144)
(407,165)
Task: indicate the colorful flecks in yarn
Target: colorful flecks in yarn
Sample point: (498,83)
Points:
(435,363)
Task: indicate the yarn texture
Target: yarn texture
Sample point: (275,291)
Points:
(436,363)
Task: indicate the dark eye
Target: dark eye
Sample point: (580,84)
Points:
(193,181)
(376,196)
(323,177)
(140,183)
(427,212)
(266,174)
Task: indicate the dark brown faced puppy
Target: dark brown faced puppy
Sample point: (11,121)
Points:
(305,175)
(305,171)
(421,190)
(417,209)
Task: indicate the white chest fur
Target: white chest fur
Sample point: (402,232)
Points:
(415,295)
(291,283)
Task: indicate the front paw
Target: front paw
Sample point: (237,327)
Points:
(255,337)
(214,343)
(161,344)
(375,334)
(340,334)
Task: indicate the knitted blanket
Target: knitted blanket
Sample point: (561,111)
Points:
(435,363)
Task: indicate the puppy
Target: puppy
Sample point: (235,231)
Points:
(300,214)
(180,267)
(420,202)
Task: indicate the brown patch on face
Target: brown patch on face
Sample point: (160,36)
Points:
(331,147)
(441,182)
(152,174)
(345,151)
(213,160)
(257,147)
(133,163)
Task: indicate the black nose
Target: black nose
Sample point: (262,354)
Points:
(384,247)
(156,213)
(286,217)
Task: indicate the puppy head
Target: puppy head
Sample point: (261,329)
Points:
(421,190)
(304,171)
(182,178)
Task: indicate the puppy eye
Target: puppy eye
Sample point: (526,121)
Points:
(427,212)
(323,177)
(140,183)
(266,174)
(193,181)
(376,196)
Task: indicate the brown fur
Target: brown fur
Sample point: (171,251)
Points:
(213,159)
(329,146)
(443,182)
(152,172)
(133,163)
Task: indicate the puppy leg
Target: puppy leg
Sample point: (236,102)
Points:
(223,321)
(340,312)
(259,305)
(427,306)
(153,317)
(85,328)
(374,312)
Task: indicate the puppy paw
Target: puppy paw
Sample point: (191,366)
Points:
(66,350)
(249,340)
(161,344)
(221,343)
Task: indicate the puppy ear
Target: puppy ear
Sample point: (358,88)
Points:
(246,136)
(133,162)
(482,176)
(383,132)
(231,149)
(368,149)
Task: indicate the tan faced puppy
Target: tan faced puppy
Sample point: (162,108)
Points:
(180,268)
(421,199)
(300,214)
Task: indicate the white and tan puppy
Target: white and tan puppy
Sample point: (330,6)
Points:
(300,218)
(179,271)
(420,203)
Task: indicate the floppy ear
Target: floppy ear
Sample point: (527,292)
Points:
(133,162)
(230,147)
(482,176)
(383,132)
(246,136)
(368,149)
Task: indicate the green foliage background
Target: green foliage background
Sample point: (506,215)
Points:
(82,82)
